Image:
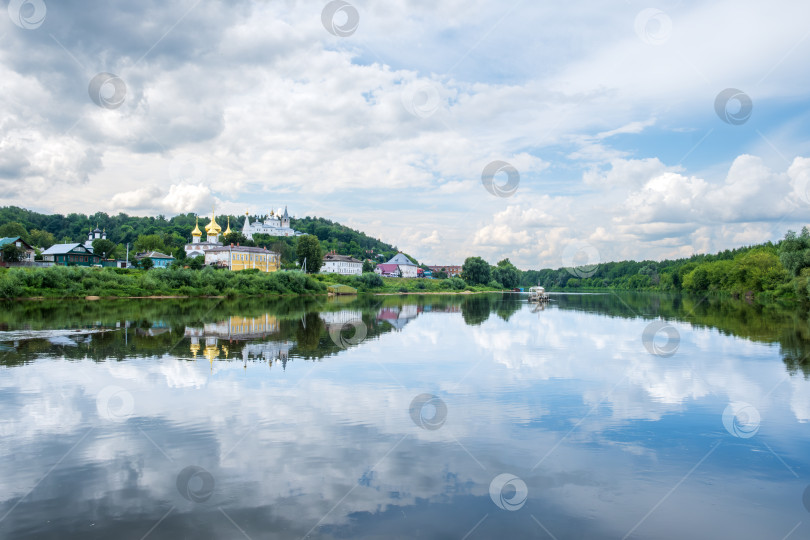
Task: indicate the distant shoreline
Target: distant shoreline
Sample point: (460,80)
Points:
(93,298)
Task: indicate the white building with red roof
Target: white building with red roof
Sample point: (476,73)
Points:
(399,266)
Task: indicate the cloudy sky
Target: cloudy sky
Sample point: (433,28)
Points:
(631,130)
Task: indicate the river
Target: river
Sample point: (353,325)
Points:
(455,416)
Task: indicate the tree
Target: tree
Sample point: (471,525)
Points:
(236,237)
(12,229)
(179,254)
(103,248)
(11,253)
(440,274)
(794,251)
(506,274)
(150,242)
(476,271)
(41,239)
(197,262)
(147,263)
(368,266)
(309,250)
(697,279)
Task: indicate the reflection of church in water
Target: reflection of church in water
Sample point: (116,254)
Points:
(396,316)
(239,329)
(399,316)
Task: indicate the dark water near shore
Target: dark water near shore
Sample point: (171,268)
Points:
(477,416)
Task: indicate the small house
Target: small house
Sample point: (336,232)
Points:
(27,257)
(160,260)
(70,255)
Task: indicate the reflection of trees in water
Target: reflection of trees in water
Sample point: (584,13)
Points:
(308,334)
(769,323)
(506,305)
(475,309)
(299,321)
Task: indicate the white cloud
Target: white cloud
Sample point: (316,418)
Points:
(187,198)
(181,198)
(273,108)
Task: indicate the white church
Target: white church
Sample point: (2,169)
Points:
(277,224)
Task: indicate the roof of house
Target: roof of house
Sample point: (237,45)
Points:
(11,239)
(400,258)
(387,268)
(239,249)
(340,258)
(154,255)
(61,249)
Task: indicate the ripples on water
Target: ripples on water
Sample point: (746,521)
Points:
(601,416)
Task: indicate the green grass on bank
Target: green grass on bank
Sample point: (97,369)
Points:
(78,282)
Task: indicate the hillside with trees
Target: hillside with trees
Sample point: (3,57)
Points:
(169,235)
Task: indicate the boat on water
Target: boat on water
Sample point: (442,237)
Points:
(538,294)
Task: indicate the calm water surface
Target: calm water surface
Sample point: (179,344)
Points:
(478,416)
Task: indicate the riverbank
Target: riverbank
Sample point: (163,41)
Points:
(784,298)
(95,283)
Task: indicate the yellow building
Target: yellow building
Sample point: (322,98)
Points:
(243,257)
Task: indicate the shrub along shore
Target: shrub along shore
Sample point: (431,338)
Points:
(80,282)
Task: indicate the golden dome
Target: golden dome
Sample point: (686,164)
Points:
(195,349)
(196,231)
(213,227)
(228,230)
(211,352)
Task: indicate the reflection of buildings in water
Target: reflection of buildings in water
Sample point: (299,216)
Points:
(442,309)
(268,350)
(157,328)
(338,318)
(237,328)
(243,327)
(399,316)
